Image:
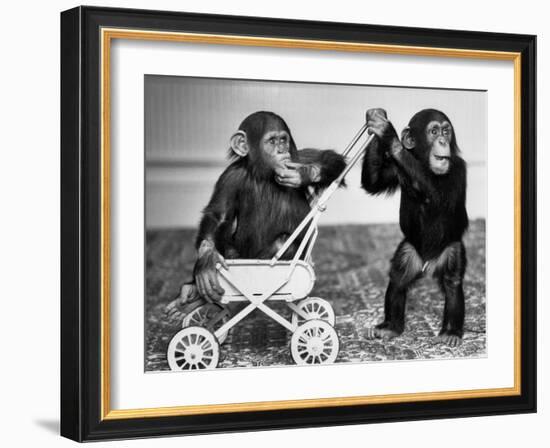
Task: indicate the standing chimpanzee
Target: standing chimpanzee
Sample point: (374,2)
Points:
(432,176)
(259,200)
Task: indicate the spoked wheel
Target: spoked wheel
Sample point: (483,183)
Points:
(315,308)
(202,316)
(193,348)
(314,342)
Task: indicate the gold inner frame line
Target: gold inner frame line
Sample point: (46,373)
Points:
(107,35)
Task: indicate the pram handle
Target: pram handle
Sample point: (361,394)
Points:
(351,163)
(354,140)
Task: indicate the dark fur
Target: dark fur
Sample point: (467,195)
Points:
(250,215)
(432,217)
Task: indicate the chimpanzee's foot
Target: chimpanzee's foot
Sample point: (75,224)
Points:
(188,294)
(451,339)
(381,331)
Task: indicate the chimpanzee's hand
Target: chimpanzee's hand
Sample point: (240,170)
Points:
(206,275)
(296,175)
(378,124)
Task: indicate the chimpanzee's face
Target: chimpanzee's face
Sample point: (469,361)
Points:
(438,135)
(275,146)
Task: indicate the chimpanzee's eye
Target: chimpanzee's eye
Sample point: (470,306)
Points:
(434,131)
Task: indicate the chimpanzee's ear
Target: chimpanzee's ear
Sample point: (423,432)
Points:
(239,143)
(407,140)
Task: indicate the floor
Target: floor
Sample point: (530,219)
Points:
(351,266)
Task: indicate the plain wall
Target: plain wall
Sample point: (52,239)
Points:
(29,236)
(188,123)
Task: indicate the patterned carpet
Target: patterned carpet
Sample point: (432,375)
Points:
(351,266)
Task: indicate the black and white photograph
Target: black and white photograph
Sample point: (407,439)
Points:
(293,223)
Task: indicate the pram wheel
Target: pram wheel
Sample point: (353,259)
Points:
(202,315)
(193,348)
(314,342)
(315,308)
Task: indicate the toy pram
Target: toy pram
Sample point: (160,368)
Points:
(258,282)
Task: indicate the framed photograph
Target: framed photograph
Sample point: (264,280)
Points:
(276,224)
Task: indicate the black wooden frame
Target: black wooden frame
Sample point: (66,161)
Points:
(81,223)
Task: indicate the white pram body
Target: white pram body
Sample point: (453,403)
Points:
(254,277)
